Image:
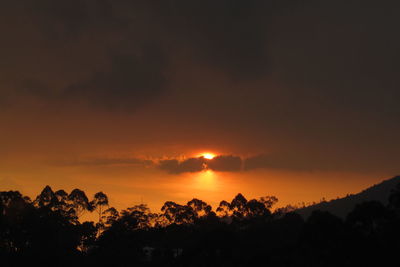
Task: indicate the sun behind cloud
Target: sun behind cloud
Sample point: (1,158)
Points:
(208,155)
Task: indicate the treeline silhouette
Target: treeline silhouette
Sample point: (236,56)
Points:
(48,232)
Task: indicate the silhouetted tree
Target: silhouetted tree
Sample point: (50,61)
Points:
(140,214)
(367,216)
(178,214)
(256,208)
(14,209)
(62,200)
(87,232)
(46,198)
(284,210)
(47,232)
(98,204)
(394,198)
(223,209)
(238,206)
(109,216)
(268,201)
(199,207)
(79,202)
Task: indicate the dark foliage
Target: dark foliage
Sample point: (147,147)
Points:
(48,232)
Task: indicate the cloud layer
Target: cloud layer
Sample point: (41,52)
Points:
(313,83)
(220,163)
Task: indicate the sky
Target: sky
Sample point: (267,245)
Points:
(297,99)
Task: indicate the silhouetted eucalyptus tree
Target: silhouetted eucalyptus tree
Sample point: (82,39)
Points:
(140,214)
(199,207)
(99,202)
(46,198)
(178,214)
(192,235)
(223,209)
(14,210)
(238,206)
(268,201)
(256,208)
(79,202)
(109,216)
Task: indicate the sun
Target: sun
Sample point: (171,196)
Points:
(208,155)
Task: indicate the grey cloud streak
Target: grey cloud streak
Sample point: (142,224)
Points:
(226,163)
(104,162)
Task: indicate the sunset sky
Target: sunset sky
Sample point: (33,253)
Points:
(297,99)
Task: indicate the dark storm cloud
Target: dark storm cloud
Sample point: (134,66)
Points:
(224,163)
(105,54)
(188,165)
(330,45)
(344,57)
(312,78)
(60,19)
(227,34)
(169,165)
(131,81)
(98,52)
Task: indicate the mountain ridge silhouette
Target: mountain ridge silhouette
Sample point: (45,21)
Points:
(342,206)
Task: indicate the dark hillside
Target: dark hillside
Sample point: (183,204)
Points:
(342,206)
